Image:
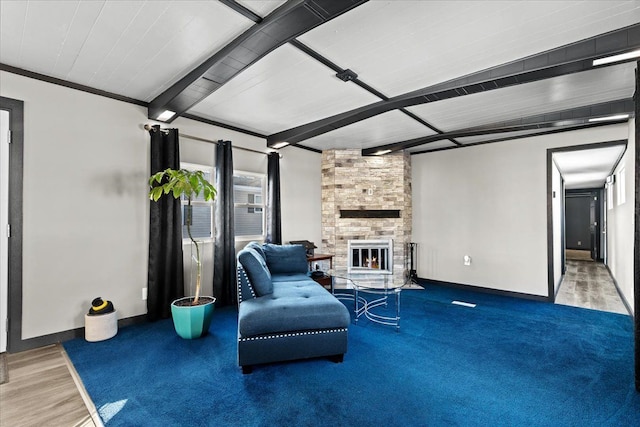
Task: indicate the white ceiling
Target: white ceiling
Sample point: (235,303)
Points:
(400,46)
(587,168)
(139,49)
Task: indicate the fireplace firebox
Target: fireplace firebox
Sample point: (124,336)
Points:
(370,256)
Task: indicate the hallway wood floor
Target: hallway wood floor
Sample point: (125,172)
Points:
(588,284)
(42,392)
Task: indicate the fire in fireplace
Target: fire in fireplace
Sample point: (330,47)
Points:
(370,256)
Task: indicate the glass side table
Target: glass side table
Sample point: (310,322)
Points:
(372,294)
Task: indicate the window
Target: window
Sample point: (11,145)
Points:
(248,196)
(255,199)
(201,211)
(622,197)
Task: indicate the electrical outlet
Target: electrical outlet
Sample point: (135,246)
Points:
(467,260)
(144,294)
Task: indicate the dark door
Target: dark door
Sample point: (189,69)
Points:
(578,220)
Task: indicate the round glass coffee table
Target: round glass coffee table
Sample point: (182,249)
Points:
(373,293)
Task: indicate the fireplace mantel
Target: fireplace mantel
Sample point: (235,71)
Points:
(369,213)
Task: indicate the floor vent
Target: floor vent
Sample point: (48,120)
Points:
(464,304)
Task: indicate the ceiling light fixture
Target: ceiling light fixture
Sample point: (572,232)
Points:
(616,58)
(381,152)
(279,145)
(166,115)
(609,118)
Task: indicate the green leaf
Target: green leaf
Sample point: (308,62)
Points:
(156,193)
(180,182)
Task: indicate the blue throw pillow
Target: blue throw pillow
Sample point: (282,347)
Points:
(256,268)
(286,258)
(258,248)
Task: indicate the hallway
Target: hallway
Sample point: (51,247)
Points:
(588,284)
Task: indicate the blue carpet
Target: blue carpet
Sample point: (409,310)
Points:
(506,362)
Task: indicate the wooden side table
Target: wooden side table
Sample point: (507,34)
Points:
(326,280)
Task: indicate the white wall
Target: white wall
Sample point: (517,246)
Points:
(300,188)
(85,210)
(620,223)
(85,203)
(556,201)
(489,202)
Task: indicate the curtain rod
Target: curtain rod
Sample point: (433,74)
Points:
(197,138)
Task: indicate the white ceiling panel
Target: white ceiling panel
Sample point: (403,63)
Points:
(385,128)
(400,46)
(140,48)
(587,168)
(262,7)
(133,48)
(282,90)
(559,93)
(12,17)
(35,31)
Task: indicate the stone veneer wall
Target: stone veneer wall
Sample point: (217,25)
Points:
(348,178)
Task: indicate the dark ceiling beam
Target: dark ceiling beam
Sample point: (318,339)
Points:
(289,21)
(339,70)
(247,13)
(572,58)
(222,125)
(529,135)
(568,118)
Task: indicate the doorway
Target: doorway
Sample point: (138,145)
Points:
(11,158)
(585,280)
(584,227)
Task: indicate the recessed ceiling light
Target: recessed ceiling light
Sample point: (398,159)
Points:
(279,145)
(381,152)
(616,58)
(610,118)
(166,115)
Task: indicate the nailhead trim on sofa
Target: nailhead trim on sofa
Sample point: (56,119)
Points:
(241,270)
(294,334)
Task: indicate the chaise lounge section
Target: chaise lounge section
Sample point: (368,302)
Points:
(282,313)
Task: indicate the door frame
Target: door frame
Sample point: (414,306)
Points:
(550,251)
(14,271)
(5,132)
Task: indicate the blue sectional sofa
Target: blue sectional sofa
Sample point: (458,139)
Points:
(282,313)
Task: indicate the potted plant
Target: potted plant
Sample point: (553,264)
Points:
(191,315)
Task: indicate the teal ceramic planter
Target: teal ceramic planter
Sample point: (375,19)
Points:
(192,321)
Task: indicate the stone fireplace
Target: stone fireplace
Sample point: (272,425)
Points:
(366,198)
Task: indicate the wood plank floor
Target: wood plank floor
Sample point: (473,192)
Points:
(42,391)
(588,284)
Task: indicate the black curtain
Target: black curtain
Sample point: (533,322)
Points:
(274,228)
(224,259)
(165,277)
